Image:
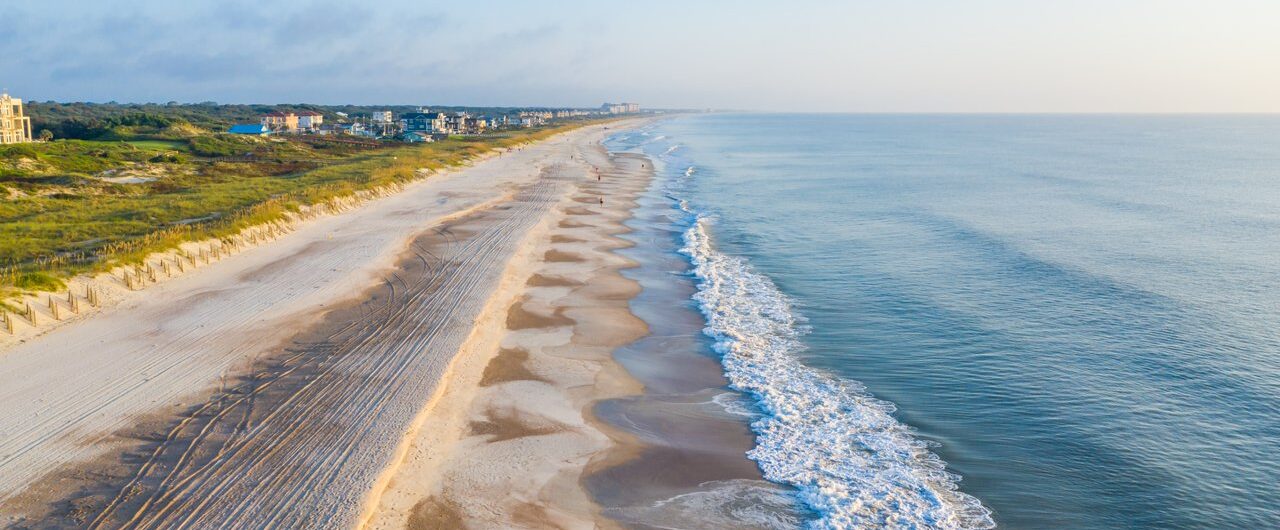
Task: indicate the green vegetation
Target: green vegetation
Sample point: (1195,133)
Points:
(73,206)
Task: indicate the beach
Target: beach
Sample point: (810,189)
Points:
(508,441)
(289,384)
(587,396)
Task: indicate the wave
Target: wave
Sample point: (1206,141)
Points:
(850,460)
(736,404)
(737,503)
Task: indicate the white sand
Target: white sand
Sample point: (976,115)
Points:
(508,441)
(63,393)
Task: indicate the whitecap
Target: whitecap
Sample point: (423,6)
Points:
(740,503)
(850,460)
(735,404)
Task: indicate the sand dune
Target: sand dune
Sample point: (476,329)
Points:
(250,393)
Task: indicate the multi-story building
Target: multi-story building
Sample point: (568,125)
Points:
(535,118)
(456,122)
(428,122)
(14,126)
(381,117)
(281,121)
(620,108)
(310,120)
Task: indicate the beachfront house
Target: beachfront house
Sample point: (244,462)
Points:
(310,120)
(256,129)
(456,122)
(14,126)
(281,121)
(428,122)
(354,129)
(381,117)
(416,137)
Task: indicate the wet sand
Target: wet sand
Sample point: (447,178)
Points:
(689,469)
(595,402)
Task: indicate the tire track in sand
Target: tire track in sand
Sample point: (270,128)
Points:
(300,440)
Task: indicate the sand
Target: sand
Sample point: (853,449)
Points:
(508,442)
(140,393)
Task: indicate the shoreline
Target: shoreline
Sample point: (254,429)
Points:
(459,191)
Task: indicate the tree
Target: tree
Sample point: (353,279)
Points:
(45,135)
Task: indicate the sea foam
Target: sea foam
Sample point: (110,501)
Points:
(850,460)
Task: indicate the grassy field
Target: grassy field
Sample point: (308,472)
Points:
(71,206)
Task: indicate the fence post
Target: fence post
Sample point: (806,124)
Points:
(53,308)
(31,315)
(73,302)
(8,322)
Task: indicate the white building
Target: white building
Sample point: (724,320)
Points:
(14,126)
(620,108)
(310,120)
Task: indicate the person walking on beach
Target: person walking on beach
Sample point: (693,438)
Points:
(601,201)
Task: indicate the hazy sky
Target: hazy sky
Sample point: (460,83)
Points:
(805,55)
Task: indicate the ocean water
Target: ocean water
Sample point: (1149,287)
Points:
(968,321)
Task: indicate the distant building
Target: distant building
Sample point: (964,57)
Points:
(381,117)
(428,122)
(416,137)
(354,129)
(14,126)
(620,108)
(310,120)
(456,122)
(281,121)
(256,129)
(533,118)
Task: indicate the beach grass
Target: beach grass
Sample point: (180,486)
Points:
(63,214)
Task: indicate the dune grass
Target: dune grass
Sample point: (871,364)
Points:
(61,218)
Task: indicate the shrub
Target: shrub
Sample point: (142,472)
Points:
(38,281)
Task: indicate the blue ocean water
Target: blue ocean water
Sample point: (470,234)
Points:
(1026,321)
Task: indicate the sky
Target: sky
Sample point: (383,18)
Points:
(796,55)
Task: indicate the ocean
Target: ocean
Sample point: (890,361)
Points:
(967,321)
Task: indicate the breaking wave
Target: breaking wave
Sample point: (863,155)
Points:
(850,460)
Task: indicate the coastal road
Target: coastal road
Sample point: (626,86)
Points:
(197,355)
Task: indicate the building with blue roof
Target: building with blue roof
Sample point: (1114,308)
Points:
(256,129)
